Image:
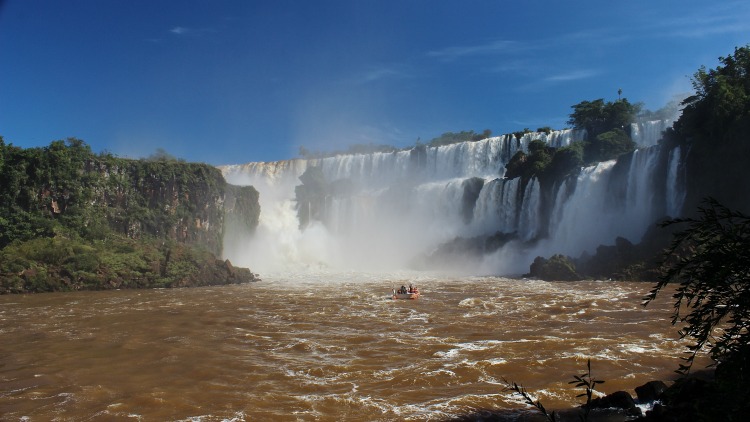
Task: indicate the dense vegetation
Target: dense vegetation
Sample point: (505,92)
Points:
(72,219)
(598,117)
(710,263)
(714,125)
(605,124)
(59,263)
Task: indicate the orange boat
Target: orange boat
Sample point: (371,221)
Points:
(404,293)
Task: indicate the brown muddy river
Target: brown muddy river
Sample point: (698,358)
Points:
(324,348)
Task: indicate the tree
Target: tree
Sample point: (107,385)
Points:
(566,161)
(722,95)
(546,163)
(608,146)
(597,117)
(532,164)
(2,154)
(714,124)
(161,155)
(710,262)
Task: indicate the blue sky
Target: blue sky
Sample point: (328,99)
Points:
(228,82)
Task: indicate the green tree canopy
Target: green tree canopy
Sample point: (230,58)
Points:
(607,146)
(565,161)
(715,124)
(2,153)
(598,116)
(722,97)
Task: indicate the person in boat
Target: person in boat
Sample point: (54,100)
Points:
(402,290)
(411,288)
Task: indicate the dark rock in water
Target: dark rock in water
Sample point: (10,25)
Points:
(558,267)
(618,400)
(650,392)
(214,273)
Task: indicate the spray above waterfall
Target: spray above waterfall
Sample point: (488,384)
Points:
(446,207)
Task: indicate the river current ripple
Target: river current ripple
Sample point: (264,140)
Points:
(327,347)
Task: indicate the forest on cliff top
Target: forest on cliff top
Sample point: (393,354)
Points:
(71,219)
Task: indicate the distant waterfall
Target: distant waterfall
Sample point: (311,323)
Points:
(400,205)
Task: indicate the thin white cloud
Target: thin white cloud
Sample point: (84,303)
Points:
(453,53)
(719,18)
(381,72)
(377,74)
(707,30)
(572,75)
(511,66)
(193,32)
(179,30)
(545,82)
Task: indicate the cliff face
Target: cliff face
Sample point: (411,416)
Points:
(66,187)
(71,219)
(183,202)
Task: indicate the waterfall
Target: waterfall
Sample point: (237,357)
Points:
(581,220)
(395,206)
(646,134)
(675,183)
(528,225)
(496,207)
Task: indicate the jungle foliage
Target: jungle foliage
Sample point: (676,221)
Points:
(714,125)
(598,116)
(709,261)
(58,263)
(605,124)
(62,207)
(546,163)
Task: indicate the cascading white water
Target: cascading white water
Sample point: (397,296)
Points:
(581,220)
(496,207)
(404,205)
(647,134)
(563,138)
(528,226)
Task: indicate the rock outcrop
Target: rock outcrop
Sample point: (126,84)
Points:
(71,219)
